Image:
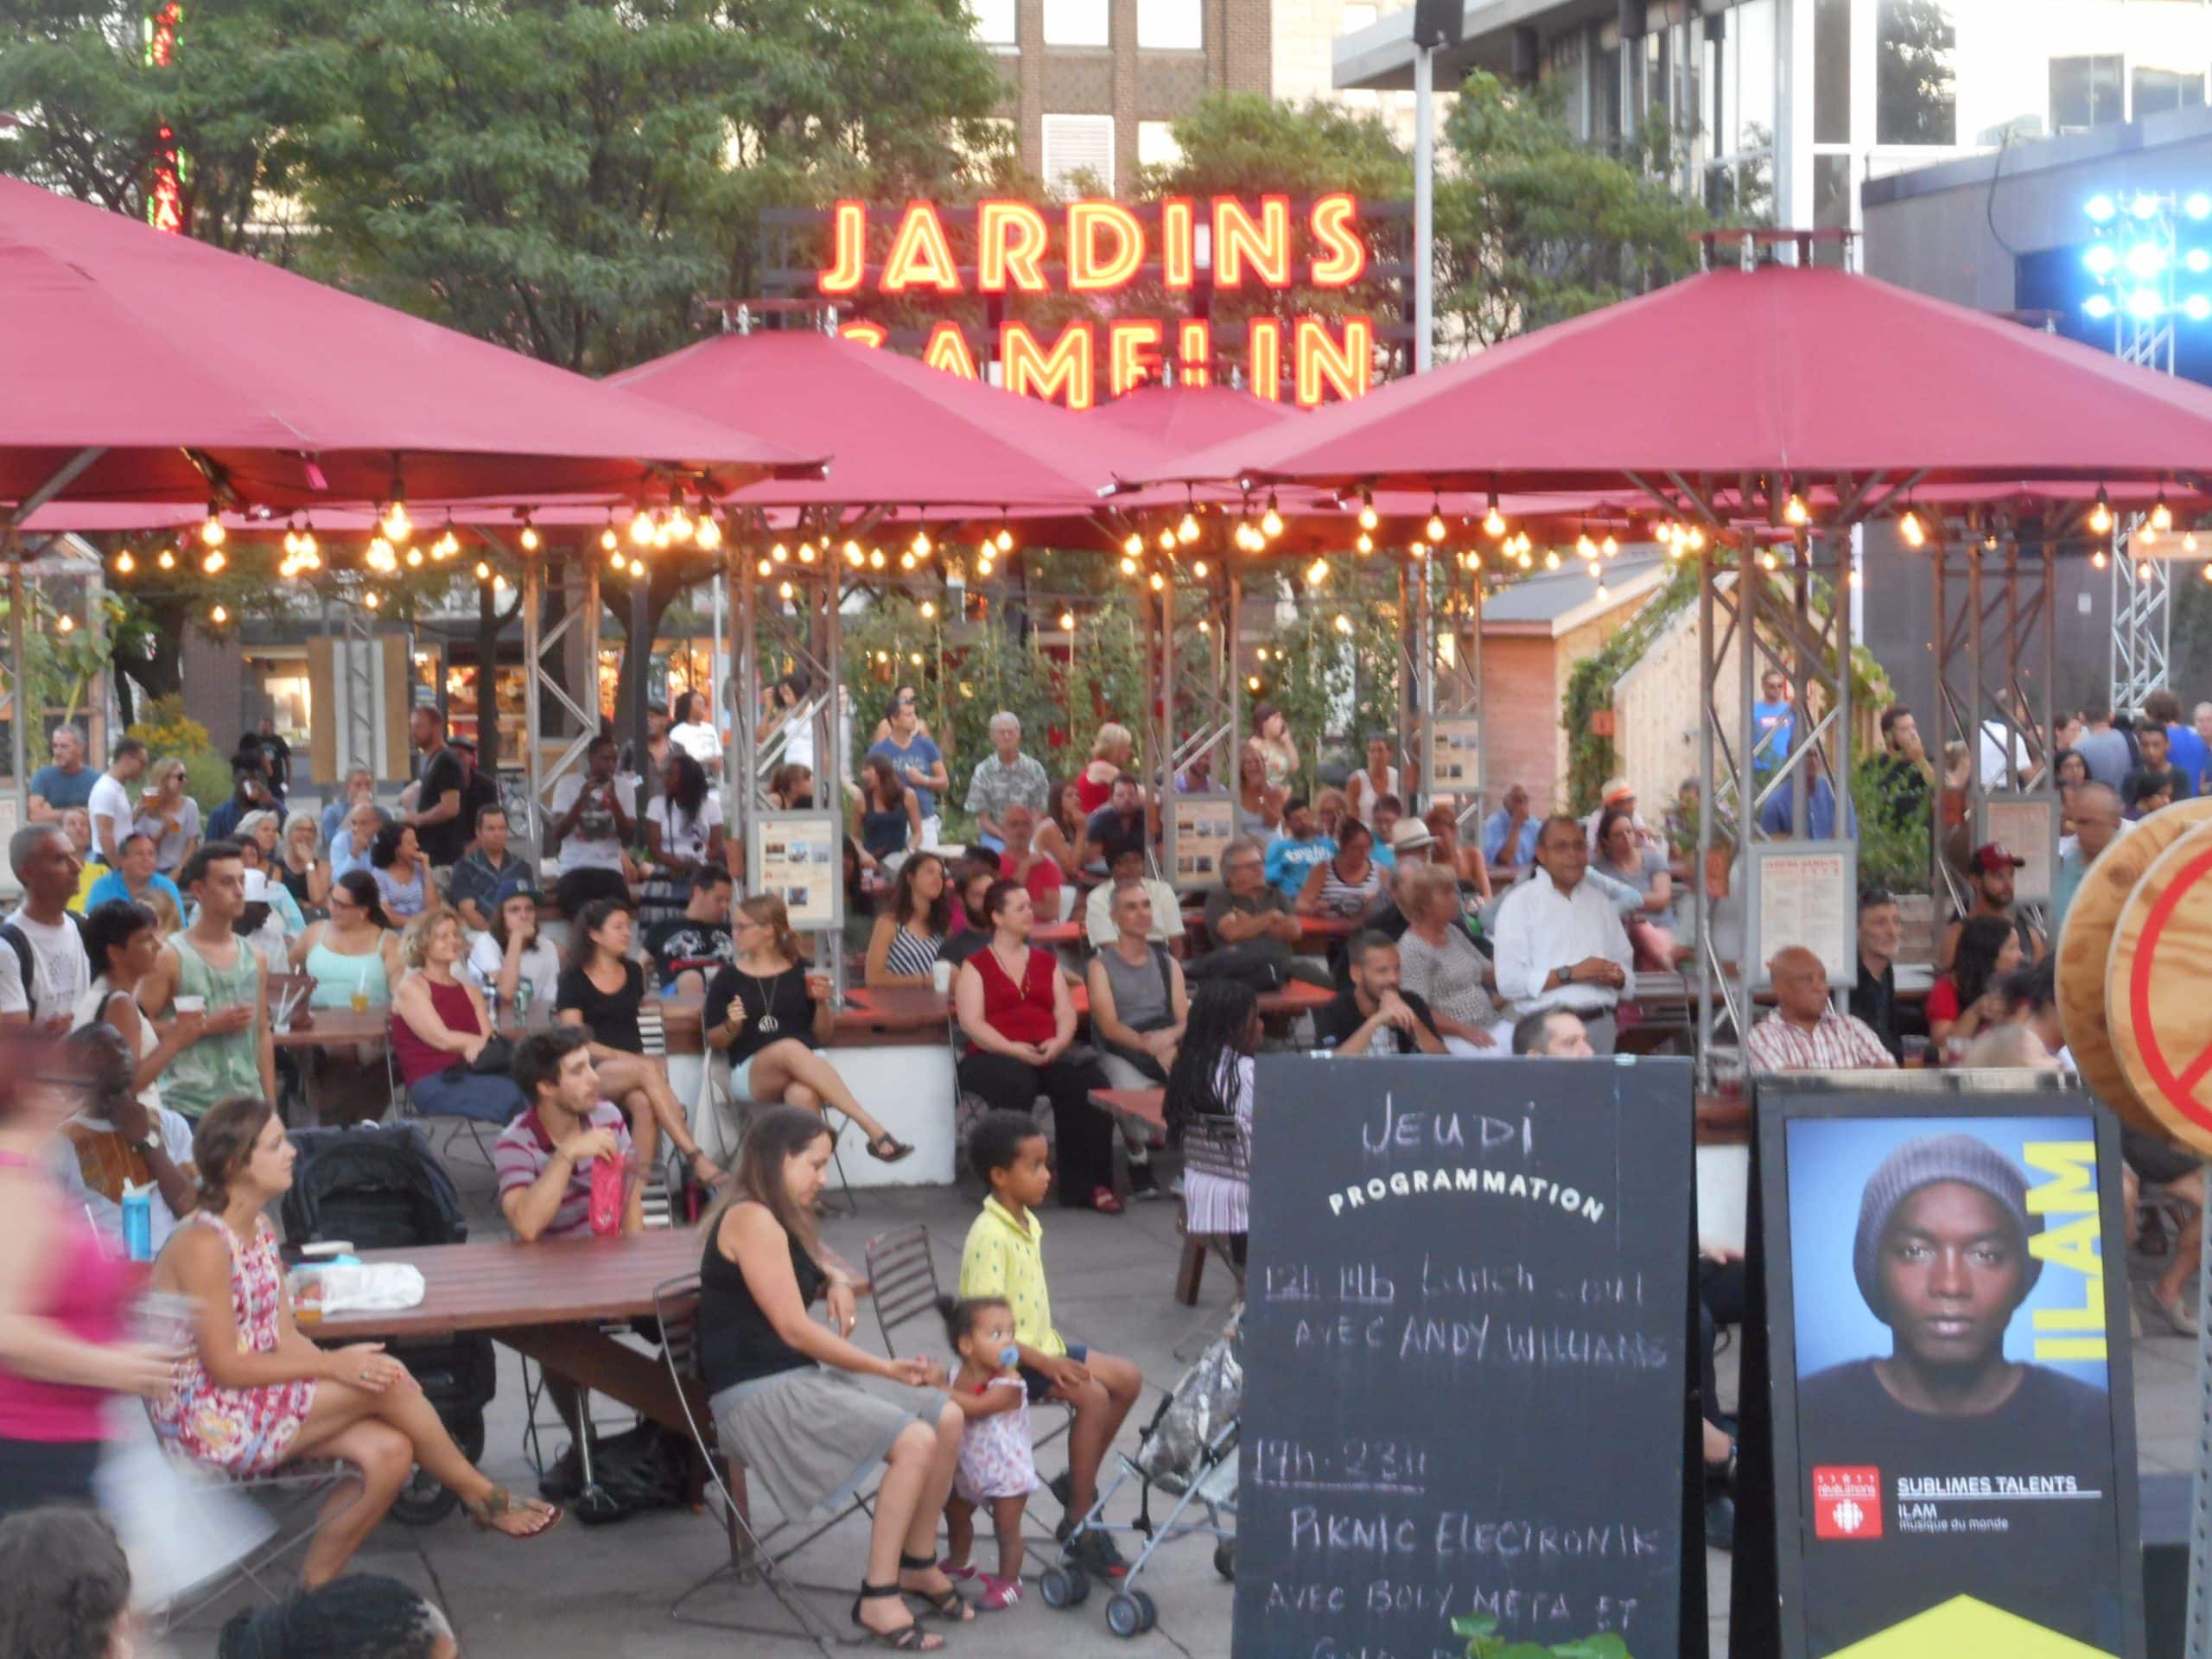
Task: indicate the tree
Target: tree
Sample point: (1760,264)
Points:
(1533,226)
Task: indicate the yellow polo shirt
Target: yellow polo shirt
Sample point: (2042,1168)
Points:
(1004,1258)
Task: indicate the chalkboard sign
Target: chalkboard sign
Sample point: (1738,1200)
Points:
(1466,1331)
(1947,1319)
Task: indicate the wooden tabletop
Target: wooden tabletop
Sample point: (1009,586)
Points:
(499,1286)
(1296,997)
(1150,1104)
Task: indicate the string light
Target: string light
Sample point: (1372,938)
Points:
(778,553)
(1159,582)
(782,590)
(125,564)
(708,536)
(1318,572)
(906,560)
(637,569)
(372,599)
(65,623)
(1134,545)
(920,545)
(219,616)
(212,533)
(1586,548)
(1795,510)
(1366,542)
(875,559)
(641,529)
(1367,517)
(983,565)
(483,571)
(499,583)
(1067,617)
(929,610)
(415,558)
(2188,541)
(1004,540)
(2100,514)
(763,567)
(397,526)
(1187,531)
(1493,520)
(1609,546)
(2142,571)
(1199,569)
(530,537)
(607,539)
(2097,560)
(2161,517)
(1435,526)
(680,527)
(1551,558)
(1167,541)
(1911,528)
(1344,623)
(1128,566)
(1271,521)
(168,561)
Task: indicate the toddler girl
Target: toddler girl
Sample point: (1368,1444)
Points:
(996,1466)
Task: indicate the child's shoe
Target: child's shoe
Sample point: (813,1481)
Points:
(959,1575)
(999,1594)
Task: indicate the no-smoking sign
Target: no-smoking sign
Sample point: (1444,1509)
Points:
(2159,989)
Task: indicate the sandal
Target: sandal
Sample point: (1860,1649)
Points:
(888,1149)
(486,1511)
(945,1604)
(696,1156)
(1103,1201)
(907,1638)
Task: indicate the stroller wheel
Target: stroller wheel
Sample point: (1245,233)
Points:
(1125,1614)
(1064,1586)
(1148,1607)
(1224,1557)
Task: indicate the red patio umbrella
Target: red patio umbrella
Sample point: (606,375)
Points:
(1782,371)
(127,353)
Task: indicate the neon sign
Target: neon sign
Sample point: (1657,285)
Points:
(1226,243)
(165,195)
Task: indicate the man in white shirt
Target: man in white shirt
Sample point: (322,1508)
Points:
(594,817)
(42,935)
(1559,940)
(113,812)
(1099,924)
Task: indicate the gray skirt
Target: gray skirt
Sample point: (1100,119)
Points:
(813,1436)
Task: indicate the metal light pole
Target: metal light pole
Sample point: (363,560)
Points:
(1424,205)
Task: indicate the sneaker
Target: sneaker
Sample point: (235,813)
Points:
(959,1575)
(1176,1189)
(2177,1313)
(1095,1552)
(999,1594)
(1143,1184)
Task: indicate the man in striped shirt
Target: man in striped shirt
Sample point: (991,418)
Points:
(1805,1033)
(544,1158)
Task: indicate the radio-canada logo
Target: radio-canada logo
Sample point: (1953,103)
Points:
(1846,1502)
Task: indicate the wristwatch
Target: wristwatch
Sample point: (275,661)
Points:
(153,1140)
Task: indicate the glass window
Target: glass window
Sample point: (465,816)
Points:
(1831,72)
(1354,15)
(1079,153)
(994,20)
(1916,96)
(1606,90)
(1156,145)
(2085,93)
(1077,22)
(2153,92)
(1171,25)
(1831,193)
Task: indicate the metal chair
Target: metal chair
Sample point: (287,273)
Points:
(294,1492)
(716,1095)
(675,1304)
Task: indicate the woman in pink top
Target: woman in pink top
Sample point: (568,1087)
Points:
(64,1301)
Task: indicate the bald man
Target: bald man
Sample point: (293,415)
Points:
(1805,1033)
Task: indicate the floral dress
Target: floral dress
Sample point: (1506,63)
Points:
(996,1457)
(241,1431)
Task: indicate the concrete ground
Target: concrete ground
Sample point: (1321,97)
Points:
(585,1593)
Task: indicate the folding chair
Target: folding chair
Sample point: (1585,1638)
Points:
(297,1491)
(675,1304)
(730,1116)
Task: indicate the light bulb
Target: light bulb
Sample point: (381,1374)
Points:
(1366,542)
(854,557)
(1159,582)
(415,558)
(763,568)
(983,567)
(875,559)
(2148,535)
(65,623)
(214,560)
(921,545)
(906,560)
(219,616)
(499,583)
(1067,617)
(1128,566)
(371,600)
(1187,531)
(125,564)
(779,553)
(1199,569)
(168,561)
(806,552)
(782,590)
(929,610)
(1609,546)
(1004,539)
(397,526)
(1910,526)
(2161,517)
(1318,572)
(1344,623)
(309,551)
(1271,522)
(1134,545)
(1585,547)
(1551,558)
(1368,519)
(1794,511)
(2097,560)
(1493,524)
(2142,571)
(2188,541)
(530,538)
(641,529)
(1435,527)
(709,535)
(2100,515)
(680,527)
(483,571)
(608,540)
(637,569)
(212,531)
(1167,541)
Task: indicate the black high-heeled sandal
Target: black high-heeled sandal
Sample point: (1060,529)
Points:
(908,1638)
(947,1604)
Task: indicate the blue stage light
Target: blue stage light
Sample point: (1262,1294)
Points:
(2098,305)
(2198,206)
(2145,207)
(2145,303)
(2100,259)
(2196,308)
(2100,208)
(2146,260)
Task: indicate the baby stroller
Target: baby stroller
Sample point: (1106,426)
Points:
(1188,1451)
(377,1188)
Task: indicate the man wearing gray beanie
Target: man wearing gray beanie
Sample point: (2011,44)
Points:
(1918,1465)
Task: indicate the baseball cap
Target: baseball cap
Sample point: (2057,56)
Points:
(1995,856)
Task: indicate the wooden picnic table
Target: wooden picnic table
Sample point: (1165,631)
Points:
(546,1300)
(1296,997)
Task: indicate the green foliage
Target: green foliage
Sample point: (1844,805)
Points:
(167,730)
(1485,1642)
(1591,758)
(1533,226)
(1891,854)
(1315,672)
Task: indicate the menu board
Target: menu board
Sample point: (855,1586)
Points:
(1458,758)
(1806,894)
(1947,1317)
(1202,827)
(799,857)
(1466,1326)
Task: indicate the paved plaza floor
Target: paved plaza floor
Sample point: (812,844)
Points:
(581,1593)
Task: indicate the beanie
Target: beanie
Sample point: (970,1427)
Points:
(1922,1162)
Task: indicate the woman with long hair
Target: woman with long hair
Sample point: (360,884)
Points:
(1439,963)
(1970,999)
(1348,884)
(911,928)
(770,1013)
(168,815)
(781,1384)
(1373,781)
(1629,861)
(886,816)
(439,1026)
(1015,1009)
(1330,811)
(603,989)
(64,1299)
(691,729)
(301,866)
(1463,858)
(353,951)
(1059,834)
(254,1396)
(1271,737)
(683,833)
(513,951)
(264,829)
(1209,1110)
(1113,751)
(401,873)
(1259,803)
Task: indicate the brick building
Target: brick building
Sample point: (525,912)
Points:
(1092,85)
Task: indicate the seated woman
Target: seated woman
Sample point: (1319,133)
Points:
(781,1385)
(886,815)
(1620,855)
(1021,859)
(403,875)
(1113,751)
(77,825)
(514,953)
(439,1026)
(1439,963)
(1209,1110)
(683,832)
(1059,836)
(1020,1022)
(1348,885)
(603,989)
(301,866)
(1330,811)
(770,1013)
(1970,999)
(1259,805)
(911,927)
(1463,858)
(254,1396)
(352,953)
(1372,782)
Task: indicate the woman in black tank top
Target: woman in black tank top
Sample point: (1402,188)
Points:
(783,1387)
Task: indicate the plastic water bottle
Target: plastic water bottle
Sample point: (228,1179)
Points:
(522,998)
(138,1222)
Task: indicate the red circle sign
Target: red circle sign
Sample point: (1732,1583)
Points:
(2178,1090)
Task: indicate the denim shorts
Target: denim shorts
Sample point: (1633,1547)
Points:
(1039,1384)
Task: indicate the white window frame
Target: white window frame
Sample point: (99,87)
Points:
(1170,26)
(1156,145)
(1070,126)
(1078,23)
(986,11)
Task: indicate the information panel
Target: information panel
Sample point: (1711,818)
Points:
(799,857)
(1201,828)
(1465,1334)
(1806,894)
(1954,1442)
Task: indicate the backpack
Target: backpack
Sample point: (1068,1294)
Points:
(26,962)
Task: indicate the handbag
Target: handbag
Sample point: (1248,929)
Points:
(495,1060)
